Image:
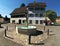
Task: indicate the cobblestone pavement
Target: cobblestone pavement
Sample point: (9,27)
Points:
(52,40)
(6,42)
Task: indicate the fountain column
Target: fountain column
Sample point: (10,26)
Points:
(27,20)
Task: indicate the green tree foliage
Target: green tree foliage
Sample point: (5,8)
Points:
(58,17)
(6,18)
(51,15)
(22,5)
(1,16)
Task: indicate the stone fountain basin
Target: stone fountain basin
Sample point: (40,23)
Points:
(26,30)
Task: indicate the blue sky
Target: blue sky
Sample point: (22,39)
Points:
(7,6)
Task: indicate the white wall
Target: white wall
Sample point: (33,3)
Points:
(16,19)
(36,18)
(30,18)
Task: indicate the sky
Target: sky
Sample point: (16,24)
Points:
(7,6)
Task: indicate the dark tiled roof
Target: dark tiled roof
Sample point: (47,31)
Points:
(18,11)
(37,4)
(23,10)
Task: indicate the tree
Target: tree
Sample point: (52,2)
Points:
(6,19)
(1,16)
(51,15)
(22,5)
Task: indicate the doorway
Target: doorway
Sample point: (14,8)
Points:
(19,21)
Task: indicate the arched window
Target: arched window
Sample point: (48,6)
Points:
(13,21)
(30,21)
(36,21)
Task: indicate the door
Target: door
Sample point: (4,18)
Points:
(19,21)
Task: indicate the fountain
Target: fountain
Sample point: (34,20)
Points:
(28,34)
(26,29)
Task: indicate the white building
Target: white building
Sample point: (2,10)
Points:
(35,14)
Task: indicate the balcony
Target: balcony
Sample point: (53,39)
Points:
(36,18)
(18,16)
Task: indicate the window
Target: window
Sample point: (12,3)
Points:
(17,16)
(31,15)
(37,8)
(31,9)
(41,15)
(30,21)
(41,21)
(36,15)
(22,16)
(42,8)
(36,21)
(13,21)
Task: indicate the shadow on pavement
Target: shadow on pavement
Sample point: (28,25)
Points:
(37,33)
(36,43)
(51,34)
(9,37)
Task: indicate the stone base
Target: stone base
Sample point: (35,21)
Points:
(24,39)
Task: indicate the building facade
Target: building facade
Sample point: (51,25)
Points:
(35,12)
